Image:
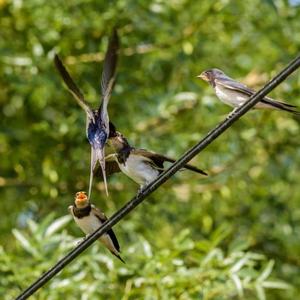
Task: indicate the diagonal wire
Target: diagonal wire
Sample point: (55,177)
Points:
(185,158)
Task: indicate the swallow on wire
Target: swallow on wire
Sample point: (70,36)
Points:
(89,219)
(141,165)
(235,94)
(97,123)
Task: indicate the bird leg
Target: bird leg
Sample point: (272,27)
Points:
(140,190)
(232,113)
(82,239)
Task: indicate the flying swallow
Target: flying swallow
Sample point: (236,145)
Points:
(235,94)
(141,165)
(97,123)
(89,219)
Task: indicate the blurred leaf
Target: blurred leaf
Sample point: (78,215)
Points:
(57,225)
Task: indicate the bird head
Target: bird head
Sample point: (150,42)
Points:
(117,141)
(81,199)
(210,75)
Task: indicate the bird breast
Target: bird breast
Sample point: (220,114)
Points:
(230,97)
(137,168)
(89,223)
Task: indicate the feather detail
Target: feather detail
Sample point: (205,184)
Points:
(72,87)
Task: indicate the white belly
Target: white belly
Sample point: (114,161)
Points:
(88,224)
(138,170)
(229,97)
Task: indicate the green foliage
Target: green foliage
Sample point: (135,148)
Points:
(253,187)
(185,270)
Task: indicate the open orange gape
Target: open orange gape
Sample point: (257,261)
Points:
(81,196)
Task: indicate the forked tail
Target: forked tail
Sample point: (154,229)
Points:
(100,156)
(97,155)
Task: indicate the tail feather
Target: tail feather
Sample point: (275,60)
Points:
(93,164)
(281,105)
(119,257)
(187,166)
(195,169)
(100,155)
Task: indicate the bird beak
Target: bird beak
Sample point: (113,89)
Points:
(202,76)
(81,197)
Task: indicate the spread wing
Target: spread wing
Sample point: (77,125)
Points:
(111,167)
(159,160)
(101,216)
(73,88)
(109,70)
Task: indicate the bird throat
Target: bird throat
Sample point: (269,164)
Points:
(123,154)
(212,82)
(81,212)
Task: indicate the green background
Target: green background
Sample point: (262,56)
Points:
(234,234)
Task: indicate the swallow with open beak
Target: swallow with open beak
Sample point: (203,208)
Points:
(97,124)
(235,94)
(141,165)
(89,219)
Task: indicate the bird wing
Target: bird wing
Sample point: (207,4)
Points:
(156,160)
(111,167)
(237,86)
(98,213)
(102,217)
(70,209)
(73,88)
(234,85)
(108,73)
(159,159)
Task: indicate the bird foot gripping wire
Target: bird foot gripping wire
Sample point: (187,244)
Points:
(82,240)
(140,191)
(232,113)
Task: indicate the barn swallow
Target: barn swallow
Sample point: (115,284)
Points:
(89,219)
(97,123)
(235,94)
(141,165)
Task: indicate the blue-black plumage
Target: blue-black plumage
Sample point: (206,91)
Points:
(96,135)
(97,129)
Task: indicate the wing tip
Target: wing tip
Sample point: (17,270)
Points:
(57,60)
(296,113)
(195,169)
(203,173)
(115,35)
(119,257)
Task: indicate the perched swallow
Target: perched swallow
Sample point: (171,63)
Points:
(97,124)
(236,94)
(142,166)
(89,219)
